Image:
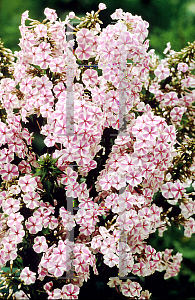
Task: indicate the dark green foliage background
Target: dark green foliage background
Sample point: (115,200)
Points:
(170,21)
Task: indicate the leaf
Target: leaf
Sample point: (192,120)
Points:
(44,173)
(48,186)
(45,231)
(38,172)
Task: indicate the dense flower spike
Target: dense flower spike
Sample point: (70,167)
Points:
(79,89)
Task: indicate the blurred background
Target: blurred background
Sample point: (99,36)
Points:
(170,21)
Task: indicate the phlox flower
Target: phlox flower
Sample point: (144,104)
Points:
(27,276)
(50,222)
(72,190)
(50,140)
(9,171)
(96,242)
(40,244)
(67,219)
(84,51)
(177,190)
(17,232)
(87,229)
(134,178)
(27,183)
(177,113)
(57,268)
(166,190)
(43,60)
(90,77)
(170,133)
(50,14)
(56,65)
(106,182)
(71,15)
(171,99)
(111,259)
(43,83)
(113,281)
(11,205)
(14,219)
(162,72)
(20,295)
(84,36)
(183,67)
(41,30)
(62,252)
(150,132)
(31,199)
(102,6)
(71,291)
(108,245)
(6,156)
(46,110)
(33,225)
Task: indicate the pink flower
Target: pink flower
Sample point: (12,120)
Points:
(11,205)
(105,182)
(50,140)
(171,99)
(50,14)
(17,233)
(20,295)
(40,244)
(9,171)
(162,72)
(31,199)
(33,225)
(90,77)
(111,259)
(14,219)
(62,252)
(6,156)
(71,291)
(102,6)
(27,276)
(72,190)
(177,113)
(56,65)
(134,178)
(50,222)
(177,190)
(41,30)
(183,67)
(166,190)
(57,268)
(43,60)
(150,132)
(83,52)
(108,245)
(71,15)
(27,183)
(170,133)
(43,83)
(84,36)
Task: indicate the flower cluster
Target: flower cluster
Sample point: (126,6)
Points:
(91,195)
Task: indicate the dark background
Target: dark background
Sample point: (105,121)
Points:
(170,21)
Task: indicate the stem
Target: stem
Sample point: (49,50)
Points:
(116,288)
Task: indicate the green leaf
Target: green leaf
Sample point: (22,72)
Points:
(38,172)
(44,173)
(48,186)
(45,230)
